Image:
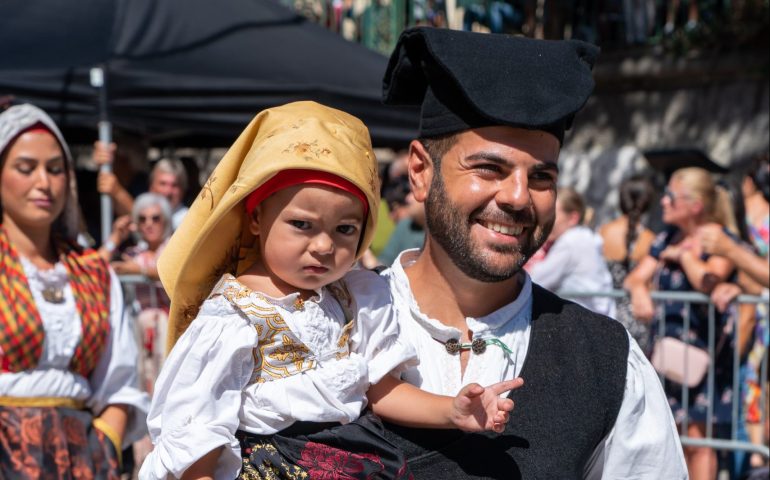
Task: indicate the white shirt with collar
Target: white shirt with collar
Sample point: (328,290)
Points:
(644,442)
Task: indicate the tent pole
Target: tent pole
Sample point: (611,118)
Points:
(105,136)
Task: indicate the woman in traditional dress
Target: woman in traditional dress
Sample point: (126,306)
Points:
(67,403)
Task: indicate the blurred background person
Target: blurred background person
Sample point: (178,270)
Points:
(750,257)
(672,12)
(499,16)
(68,385)
(625,242)
(169,178)
(394,190)
(123,181)
(409,232)
(677,262)
(150,221)
(574,262)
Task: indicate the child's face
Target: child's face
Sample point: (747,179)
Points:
(308,235)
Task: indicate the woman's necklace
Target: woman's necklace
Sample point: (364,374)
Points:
(53,281)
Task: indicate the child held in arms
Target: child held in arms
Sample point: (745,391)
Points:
(277,344)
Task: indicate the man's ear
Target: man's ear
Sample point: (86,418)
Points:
(421,170)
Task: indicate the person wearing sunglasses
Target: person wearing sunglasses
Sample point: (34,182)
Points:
(677,261)
(151,225)
(150,222)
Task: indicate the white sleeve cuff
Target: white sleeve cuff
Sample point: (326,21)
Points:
(176,450)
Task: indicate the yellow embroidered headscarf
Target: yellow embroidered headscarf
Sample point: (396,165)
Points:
(211,240)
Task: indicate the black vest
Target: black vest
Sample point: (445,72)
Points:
(574,378)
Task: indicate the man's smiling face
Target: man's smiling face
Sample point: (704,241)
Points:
(491,202)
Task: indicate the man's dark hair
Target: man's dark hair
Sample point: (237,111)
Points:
(438,146)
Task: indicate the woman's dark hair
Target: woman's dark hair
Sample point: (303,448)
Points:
(759,172)
(732,187)
(636,195)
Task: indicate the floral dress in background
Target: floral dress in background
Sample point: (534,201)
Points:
(752,393)
(670,277)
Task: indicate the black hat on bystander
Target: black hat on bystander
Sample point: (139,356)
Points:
(667,161)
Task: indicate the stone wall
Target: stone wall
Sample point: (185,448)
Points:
(717,103)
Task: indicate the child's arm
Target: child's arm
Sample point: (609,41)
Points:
(474,409)
(204,467)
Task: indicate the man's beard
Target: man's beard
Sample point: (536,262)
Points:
(448,227)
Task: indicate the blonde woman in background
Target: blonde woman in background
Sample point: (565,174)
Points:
(677,262)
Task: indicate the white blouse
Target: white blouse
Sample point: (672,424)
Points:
(562,270)
(643,444)
(204,392)
(114,379)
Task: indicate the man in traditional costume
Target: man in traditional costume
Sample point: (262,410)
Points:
(494,112)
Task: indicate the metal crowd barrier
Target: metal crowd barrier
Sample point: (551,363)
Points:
(129,283)
(690,298)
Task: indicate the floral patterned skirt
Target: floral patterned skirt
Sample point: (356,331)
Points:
(54,443)
(357,450)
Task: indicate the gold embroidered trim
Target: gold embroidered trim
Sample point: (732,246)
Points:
(42,402)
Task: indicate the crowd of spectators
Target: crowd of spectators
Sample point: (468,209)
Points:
(611,24)
(701,249)
(713,243)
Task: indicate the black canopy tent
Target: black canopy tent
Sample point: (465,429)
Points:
(186,72)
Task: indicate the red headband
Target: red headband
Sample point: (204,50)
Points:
(37,128)
(288,178)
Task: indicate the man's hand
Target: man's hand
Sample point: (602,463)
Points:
(104,153)
(107,183)
(476,408)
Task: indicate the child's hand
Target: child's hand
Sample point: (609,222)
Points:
(476,408)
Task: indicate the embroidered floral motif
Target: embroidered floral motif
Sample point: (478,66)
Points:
(279,353)
(53,443)
(290,352)
(206,190)
(342,343)
(327,463)
(270,466)
(308,151)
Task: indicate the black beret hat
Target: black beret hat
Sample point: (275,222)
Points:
(670,160)
(467,80)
